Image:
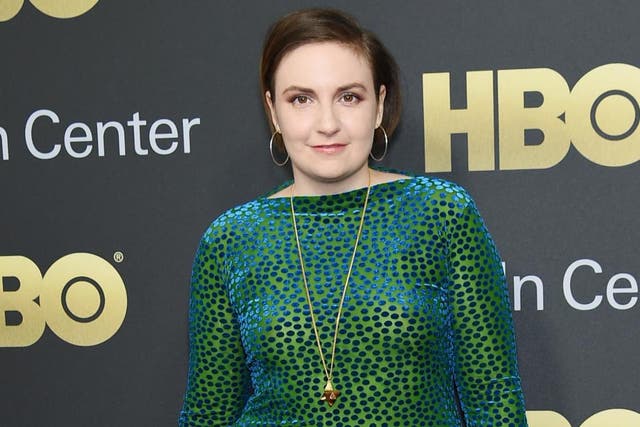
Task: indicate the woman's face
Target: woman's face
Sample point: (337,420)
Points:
(326,109)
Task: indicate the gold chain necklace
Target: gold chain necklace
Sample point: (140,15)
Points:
(330,394)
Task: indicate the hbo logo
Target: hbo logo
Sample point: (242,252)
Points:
(81,298)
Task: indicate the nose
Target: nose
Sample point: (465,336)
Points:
(328,122)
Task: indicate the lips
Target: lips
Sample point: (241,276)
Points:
(329,148)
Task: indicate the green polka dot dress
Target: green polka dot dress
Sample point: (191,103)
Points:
(426,318)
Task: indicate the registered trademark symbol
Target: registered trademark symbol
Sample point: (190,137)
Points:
(118,256)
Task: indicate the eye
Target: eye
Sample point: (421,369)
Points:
(350,98)
(300,99)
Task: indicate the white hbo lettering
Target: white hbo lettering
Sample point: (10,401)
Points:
(164,137)
(81,297)
(620,291)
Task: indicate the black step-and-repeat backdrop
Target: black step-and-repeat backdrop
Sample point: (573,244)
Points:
(127,126)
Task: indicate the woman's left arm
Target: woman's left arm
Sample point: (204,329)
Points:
(486,370)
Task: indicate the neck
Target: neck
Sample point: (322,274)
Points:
(309,187)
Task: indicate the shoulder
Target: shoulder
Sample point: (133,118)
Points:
(449,205)
(238,220)
(438,192)
(244,220)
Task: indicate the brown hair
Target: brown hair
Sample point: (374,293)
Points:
(330,25)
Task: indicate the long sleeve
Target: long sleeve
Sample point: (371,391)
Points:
(218,379)
(485,365)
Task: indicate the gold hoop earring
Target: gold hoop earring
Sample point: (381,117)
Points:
(284,162)
(386,145)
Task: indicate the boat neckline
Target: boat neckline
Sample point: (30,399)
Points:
(404,180)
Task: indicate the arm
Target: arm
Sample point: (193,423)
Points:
(218,379)
(485,369)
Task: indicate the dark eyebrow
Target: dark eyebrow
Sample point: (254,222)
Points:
(350,86)
(297,89)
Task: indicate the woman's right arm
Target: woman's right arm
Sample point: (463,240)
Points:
(218,379)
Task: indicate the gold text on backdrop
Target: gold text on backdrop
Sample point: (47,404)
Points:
(599,116)
(54,8)
(608,418)
(81,297)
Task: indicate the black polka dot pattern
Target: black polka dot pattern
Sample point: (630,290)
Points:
(426,311)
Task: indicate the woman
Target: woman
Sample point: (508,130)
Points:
(349,296)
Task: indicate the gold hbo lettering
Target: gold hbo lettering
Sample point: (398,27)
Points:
(54,8)
(82,299)
(64,8)
(599,116)
(608,418)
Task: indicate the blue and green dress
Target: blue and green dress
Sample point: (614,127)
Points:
(426,322)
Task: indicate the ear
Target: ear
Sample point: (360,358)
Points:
(272,111)
(380,113)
